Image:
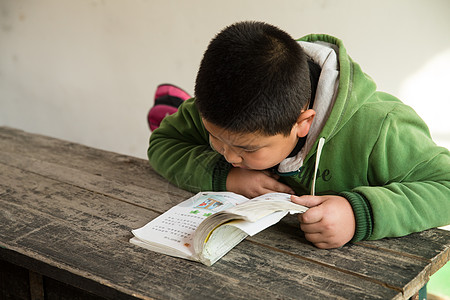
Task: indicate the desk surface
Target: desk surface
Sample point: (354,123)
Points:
(67,211)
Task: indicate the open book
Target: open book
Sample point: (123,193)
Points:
(206,226)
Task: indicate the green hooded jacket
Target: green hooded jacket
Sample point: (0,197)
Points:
(377,153)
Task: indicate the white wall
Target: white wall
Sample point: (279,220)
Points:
(86,70)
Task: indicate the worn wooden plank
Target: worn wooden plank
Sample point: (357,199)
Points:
(77,205)
(405,273)
(431,245)
(77,159)
(157,192)
(304,279)
(86,233)
(95,250)
(130,180)
(160,199)
(113,166)
(247,273)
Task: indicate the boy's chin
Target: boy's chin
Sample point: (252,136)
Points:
(249,168)
(241,166)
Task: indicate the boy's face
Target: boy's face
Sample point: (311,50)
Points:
(253,150)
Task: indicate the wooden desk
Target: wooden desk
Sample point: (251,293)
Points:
(66,215)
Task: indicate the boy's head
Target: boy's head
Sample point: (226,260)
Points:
(254,78)
(252,91)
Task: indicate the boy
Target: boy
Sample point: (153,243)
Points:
(272,114)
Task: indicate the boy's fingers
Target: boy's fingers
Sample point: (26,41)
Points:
(280,189)
(314,237)
(312,216)
(284,189)
(323,245)
(307,200)
(310,228)
(320,241)
(270,174)
(275,186)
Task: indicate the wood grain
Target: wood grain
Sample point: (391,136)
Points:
(67,212)
(87,233)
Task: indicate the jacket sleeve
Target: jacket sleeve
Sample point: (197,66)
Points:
(409,176)
(179,150)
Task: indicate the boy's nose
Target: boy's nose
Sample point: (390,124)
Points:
(231,156)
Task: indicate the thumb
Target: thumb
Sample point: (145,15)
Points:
(308,200)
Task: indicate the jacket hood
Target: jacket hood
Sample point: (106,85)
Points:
(341,79)
(352,81)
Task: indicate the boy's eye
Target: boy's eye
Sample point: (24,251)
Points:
(250,150)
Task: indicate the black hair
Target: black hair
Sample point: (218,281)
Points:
(253,77)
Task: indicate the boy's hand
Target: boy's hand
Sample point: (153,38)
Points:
(329,223)
(252,183)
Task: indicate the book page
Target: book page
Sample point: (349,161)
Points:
(252,228)
(174,228)
(272,207)
(264,205)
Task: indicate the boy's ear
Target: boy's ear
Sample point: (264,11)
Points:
(304,122)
